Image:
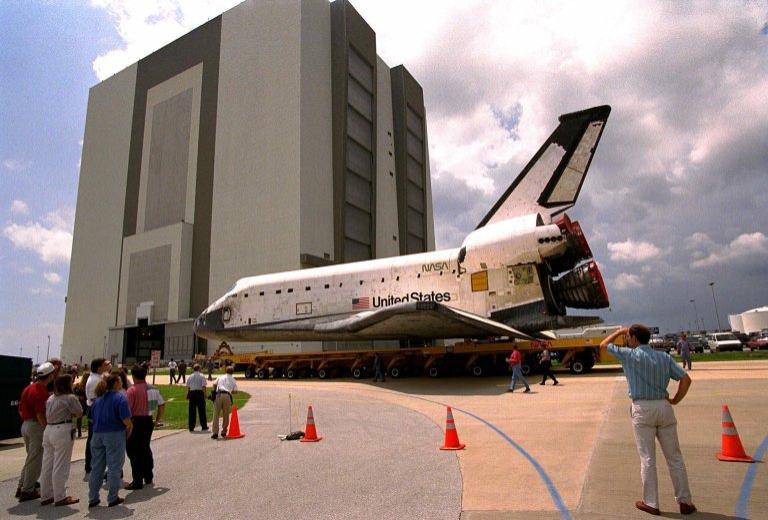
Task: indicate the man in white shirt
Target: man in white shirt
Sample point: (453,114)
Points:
(100,368)
(196,396)
(172,369)
(225,386)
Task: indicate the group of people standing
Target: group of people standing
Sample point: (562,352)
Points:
(121,416)
(222,396)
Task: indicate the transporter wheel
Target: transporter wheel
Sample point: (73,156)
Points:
(395,372)
(578,367)
(434,372)
(262,373)
(478,370)
(291,373)
(322,373)
(357,373)
(250,372)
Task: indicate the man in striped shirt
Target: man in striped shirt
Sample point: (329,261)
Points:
(648,373)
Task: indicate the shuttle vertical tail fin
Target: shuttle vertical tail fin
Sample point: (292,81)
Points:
(551,181)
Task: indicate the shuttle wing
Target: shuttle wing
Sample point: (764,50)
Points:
(423,320)
(550,183)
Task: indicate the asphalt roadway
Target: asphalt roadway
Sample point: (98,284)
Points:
(555,453)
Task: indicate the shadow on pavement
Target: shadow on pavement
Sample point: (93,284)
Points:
(144,494)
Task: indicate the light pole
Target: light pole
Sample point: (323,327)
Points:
(696,313)
(717,314)
(37,359)
(48,351)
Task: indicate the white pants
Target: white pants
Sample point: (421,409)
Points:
(652,420)
(57,454)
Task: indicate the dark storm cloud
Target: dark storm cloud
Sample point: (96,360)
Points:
(685,150)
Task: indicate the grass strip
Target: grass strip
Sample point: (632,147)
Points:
(177,408)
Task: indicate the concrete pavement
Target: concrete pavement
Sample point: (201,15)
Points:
(558,452)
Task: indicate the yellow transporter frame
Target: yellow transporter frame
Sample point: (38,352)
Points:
(474,357)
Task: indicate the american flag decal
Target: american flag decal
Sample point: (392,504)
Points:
(359,304)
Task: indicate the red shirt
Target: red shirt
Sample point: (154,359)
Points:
(137,399)
(515,358)
(33,400)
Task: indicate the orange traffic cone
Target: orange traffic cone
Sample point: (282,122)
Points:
(234,425)
(311,434)
(451,436)
(732,450)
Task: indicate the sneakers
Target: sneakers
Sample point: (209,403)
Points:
(526,390)
(642,506)
(133,486)
(687,509)
(115,502)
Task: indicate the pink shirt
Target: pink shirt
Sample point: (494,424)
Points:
(137,399)
(515,358)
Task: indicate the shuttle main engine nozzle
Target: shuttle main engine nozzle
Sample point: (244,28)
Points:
(582,288)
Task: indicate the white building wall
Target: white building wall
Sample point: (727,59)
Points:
(256,197)
(94,270)
(387,235)
(755,320)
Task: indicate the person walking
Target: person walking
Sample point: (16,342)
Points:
(225,386)
(156,404)
(648,373)
(111,421)
(209,366)
(58,440)
(545,362)
(684,349)
(182,372)
(100,368)
(137,446)
(377,372)
(172,366)
(515,360)
(32,411)
(196,396)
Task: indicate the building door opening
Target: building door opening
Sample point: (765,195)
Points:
(140,341)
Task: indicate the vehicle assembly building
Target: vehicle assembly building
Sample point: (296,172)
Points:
(270,138)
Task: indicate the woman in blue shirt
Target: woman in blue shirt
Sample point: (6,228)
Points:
(111,425)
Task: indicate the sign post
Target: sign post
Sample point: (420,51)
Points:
(155,361)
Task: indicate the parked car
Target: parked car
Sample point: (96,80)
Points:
(744,338)
(722,341)
(657,342)
(759,343)
(697,343)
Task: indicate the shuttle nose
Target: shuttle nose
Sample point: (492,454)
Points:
(208,324)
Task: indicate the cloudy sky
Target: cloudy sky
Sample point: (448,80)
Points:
(676,196)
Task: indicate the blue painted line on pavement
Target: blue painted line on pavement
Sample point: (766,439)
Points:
(556,498)
(749,479)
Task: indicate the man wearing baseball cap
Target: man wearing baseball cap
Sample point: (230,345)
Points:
(32,411)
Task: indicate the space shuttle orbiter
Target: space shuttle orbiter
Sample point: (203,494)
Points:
(514,275)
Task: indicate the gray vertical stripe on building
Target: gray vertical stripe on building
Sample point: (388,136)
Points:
(200,45)
(409,123)
(353,64)
(168,161)
(149,276)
